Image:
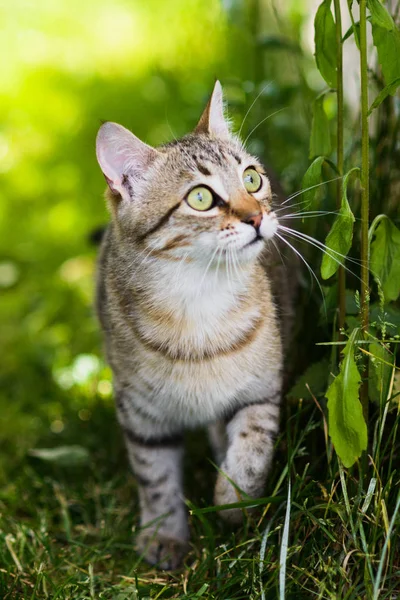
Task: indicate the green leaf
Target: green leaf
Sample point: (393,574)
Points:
(380,15)
(347,427)
(389,90)
(340,236)
(385,257)
(312,178)
(380,372)
(65,456)
(353,29)
(388,46)
(320,139)
(325,43)
(315,377)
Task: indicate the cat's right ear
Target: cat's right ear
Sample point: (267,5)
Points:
(213,120)
(123,158)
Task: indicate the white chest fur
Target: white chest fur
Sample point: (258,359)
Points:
(208,342)
(194,313)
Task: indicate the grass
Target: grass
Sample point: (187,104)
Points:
(67,530)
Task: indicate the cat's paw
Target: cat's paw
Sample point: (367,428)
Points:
(157,549)
(226,493)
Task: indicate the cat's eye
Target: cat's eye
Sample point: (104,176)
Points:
(200,198)
(252,180)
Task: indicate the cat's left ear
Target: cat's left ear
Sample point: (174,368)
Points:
(123,158)
(212,120)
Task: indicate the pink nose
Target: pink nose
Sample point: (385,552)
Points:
(254,219)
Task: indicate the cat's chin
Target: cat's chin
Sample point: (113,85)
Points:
(252,249)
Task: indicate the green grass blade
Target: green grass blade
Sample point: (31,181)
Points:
(284,547)
(377,588)
(245,504)
(263,547)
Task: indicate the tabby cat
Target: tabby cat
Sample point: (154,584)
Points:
(185,299)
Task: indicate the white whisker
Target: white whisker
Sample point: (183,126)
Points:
(277,210)
(262,121)
(206,270)
(226,267)
(332,256)
(230,274)
(236,267)
(253,103)
(278,251)
(310,188)
(240,266)
(218,262)
(148,254)
(311,214)
(307,265)
(182,262)
(321,246)
(229,262)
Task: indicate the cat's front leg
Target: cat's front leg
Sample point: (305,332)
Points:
(251,434)
(157,465)
(155,455)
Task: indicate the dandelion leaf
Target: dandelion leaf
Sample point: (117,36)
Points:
(347,427)
(340,236)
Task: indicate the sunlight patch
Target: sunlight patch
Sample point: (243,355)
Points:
(82,370)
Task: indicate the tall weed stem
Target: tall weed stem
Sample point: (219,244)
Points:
(340,154)
(364,194)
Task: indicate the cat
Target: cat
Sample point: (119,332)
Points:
(187,293)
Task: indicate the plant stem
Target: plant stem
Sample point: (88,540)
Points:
(364,193)
(255,19)
(340,154)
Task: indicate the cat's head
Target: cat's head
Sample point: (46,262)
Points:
(202,196)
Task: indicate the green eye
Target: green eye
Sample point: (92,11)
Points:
(252,180)
(200,198)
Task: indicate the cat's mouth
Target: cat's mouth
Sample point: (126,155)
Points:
(255,240)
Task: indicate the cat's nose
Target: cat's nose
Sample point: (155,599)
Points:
(254,219)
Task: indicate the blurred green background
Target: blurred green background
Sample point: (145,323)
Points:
(150,66)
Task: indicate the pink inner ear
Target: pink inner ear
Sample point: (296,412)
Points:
(120,153)
(110,184)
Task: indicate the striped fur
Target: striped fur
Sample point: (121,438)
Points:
(191,327)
